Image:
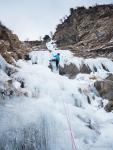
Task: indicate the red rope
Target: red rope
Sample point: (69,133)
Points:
(70,129)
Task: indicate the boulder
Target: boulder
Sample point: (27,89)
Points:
(109,106)
(104,87)
(71,70)
(110,77)
(109,95)
(85,69)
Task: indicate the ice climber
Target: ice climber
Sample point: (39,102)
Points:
(56,59)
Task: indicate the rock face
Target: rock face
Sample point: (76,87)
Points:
(36,44)
(71,70)
(10,46)
(105,89)
(87,30)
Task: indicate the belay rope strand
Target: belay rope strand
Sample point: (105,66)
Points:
(70,129)
(68,122)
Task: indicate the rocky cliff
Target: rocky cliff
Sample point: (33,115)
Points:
(87,30)
(10,45)
(36,45)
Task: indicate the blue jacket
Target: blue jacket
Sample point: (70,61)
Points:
(57,57)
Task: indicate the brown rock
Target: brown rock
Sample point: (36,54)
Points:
(110,77)
(4,46)
(104,87)
(86,29)
(85,69)
(8,57)
(109,106)
(10,46)
(70,70)
(109,95)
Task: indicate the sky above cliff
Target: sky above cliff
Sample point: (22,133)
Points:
(30,19)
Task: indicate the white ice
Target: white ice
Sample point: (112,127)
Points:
(40,119)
